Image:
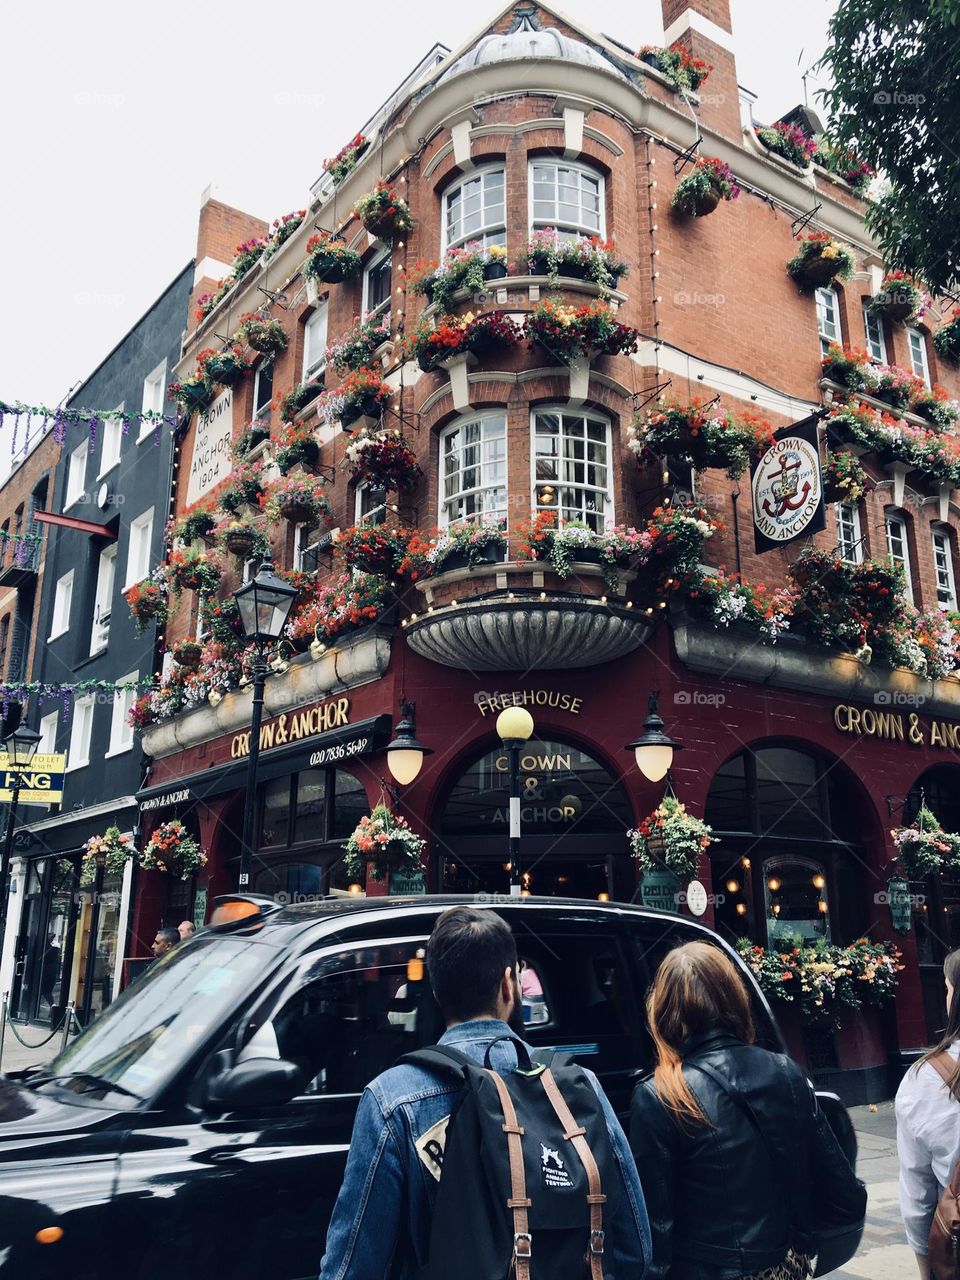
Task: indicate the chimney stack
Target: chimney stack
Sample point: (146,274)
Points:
(704,29)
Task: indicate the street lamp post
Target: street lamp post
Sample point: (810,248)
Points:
(20,746)
(514,725)
(264,603)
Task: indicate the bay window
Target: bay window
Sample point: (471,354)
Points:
(571,460)
(473,461)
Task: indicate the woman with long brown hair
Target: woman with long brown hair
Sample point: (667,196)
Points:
(928,1123)
(741,1173)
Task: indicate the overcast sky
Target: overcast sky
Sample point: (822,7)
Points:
(117,116)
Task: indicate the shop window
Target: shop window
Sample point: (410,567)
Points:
(873,329)
(377,284)
(943,563)
(797,906)
(473,457)
(828,319)
(898,548)
(568,197)
(849,537)
(474,209)
(572,467)
(315,807)
(918,355)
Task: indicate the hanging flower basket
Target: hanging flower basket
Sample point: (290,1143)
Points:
(362,394)
(191,393)
(116,847)
(225,368)
(383,460)
(148,600)
(266,336)
(699,193)
(575,333)
(551,254)
(671,838)
(192,571)
(346,159)
(924,848)
(187,653)
(172,849)
(298,497)
(947,338)
(196,522)
(296,446)
(240,539)
(382,842)
(900,298)
(821,259)
(844,479)
(699,436)
(329,259)
(383,212)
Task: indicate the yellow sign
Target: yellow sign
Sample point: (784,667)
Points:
(491,702)
(897,726)
(42,783)
(294,725)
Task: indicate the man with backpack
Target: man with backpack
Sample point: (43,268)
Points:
(471,1159)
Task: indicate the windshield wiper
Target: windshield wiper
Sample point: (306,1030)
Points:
(93,1082)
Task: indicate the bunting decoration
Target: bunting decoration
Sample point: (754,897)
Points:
(19,691)
(59,419)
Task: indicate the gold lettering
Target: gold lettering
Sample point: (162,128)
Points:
(854,719)
(950,734)
(841,720)
(500,764)
(266,735)
(897,723)
(281,729)
(575,706)
(869,721)
(936,734)
(915,730)
(343,711)
(295,726)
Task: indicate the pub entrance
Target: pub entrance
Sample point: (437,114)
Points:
(574,815)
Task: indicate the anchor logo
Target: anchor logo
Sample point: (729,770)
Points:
(785,488)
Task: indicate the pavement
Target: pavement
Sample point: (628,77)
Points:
(883,1255)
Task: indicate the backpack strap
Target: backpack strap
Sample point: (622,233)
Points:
(575,1135)
(945,1065)
(519,1202)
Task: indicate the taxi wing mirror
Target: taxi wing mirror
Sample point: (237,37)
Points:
(258,1082)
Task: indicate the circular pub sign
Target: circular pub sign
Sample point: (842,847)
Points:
(697,898)
(788,490)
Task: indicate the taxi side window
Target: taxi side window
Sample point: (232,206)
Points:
(355,1014)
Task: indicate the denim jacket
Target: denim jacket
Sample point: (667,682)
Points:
(388,1186)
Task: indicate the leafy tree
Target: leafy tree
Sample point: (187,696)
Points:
(895,66)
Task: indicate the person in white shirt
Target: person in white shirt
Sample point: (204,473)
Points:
(928,1126)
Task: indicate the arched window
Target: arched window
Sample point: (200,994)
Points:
(473,469)
(567,196)
(571,460)
(787,862)
(474,208)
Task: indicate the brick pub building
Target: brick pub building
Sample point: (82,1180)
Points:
(801,759)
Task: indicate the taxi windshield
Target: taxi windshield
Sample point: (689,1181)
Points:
(139,1041)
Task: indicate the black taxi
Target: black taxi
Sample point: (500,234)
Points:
(199,1127)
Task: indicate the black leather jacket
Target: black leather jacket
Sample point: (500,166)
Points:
(721,1203)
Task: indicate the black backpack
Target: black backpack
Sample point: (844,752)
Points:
(528,1179)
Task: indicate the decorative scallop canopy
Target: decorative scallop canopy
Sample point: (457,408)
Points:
(527,42)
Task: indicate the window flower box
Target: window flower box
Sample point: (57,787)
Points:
(699,437)
(469,266)
(467,545)
(552,255)
(571,333)
(678,65)
(346,159)
(788,141)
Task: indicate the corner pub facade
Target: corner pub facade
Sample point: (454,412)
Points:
(801,759)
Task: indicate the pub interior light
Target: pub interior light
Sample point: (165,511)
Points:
(653,750)
(405,754)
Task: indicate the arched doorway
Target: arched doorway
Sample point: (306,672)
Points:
(574,814)
(936,909)
(789,862)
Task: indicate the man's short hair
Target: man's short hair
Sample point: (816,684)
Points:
(169,934)
(467,954)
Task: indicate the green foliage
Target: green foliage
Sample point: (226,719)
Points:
(895,67)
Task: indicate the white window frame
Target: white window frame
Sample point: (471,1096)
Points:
(111,433)
(920,367)
(894,521)
(500,511)
(317,320)
(62,603)
(121,733)
(943,566)
(103,599)
(152,401)
(488,232)
(81,733)
(382,308)
(264,410)
(828,326)
(144,521)
(49,727)
(849,538)
(76,474)
(587,415)
(876,347)
(364,517)
(567,228)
